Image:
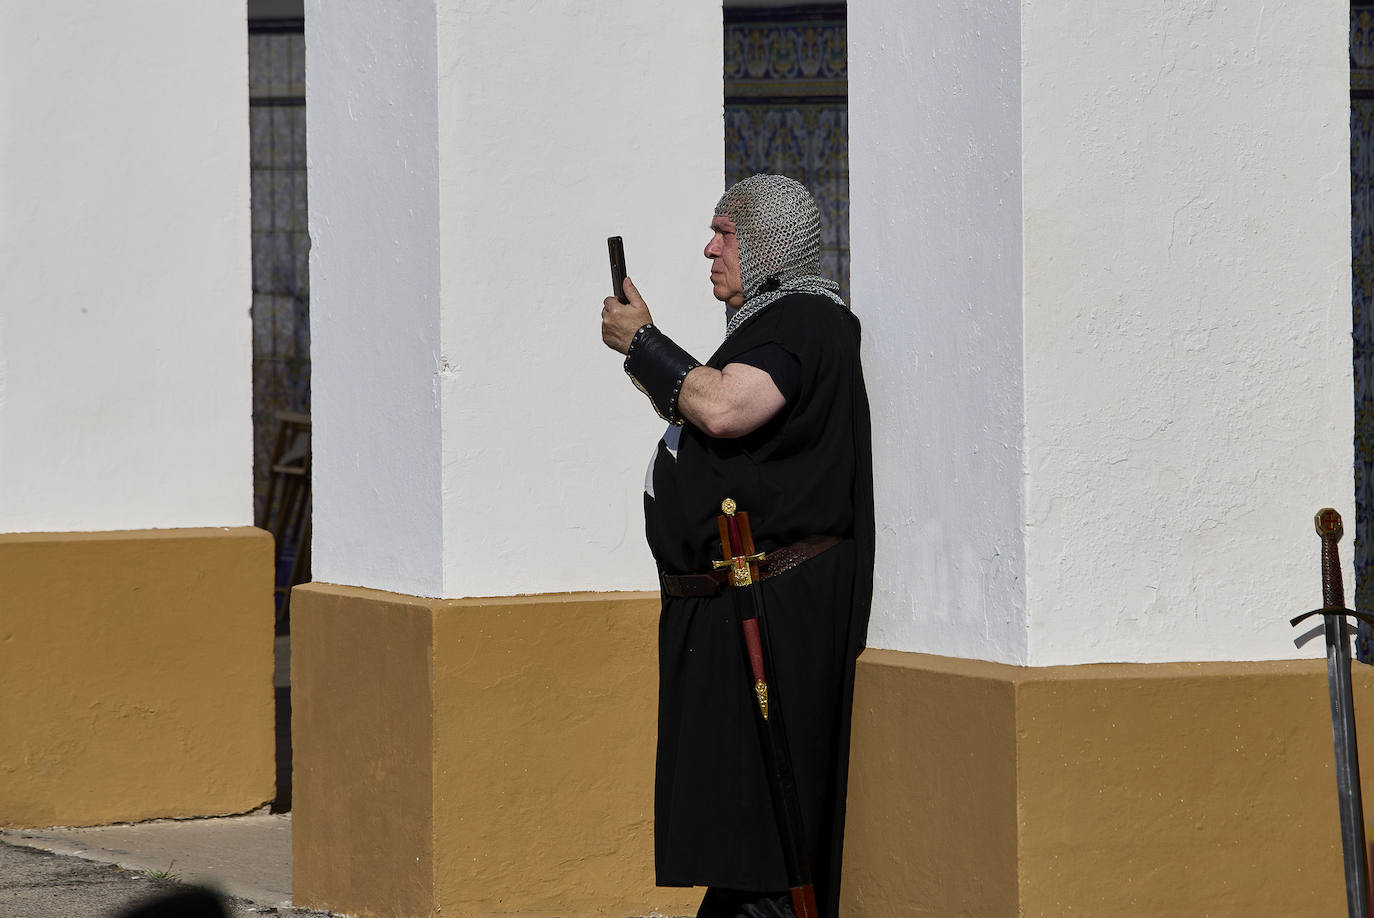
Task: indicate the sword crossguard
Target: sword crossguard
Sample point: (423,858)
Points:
(1361,614)
(739,567)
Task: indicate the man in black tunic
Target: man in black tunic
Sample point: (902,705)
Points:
(778,420)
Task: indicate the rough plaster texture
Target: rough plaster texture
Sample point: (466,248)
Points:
(466,169)
(507,739)
(125,363)
(1119,789)
(935,219)
(136,673)
(1188,374)
(1107,255)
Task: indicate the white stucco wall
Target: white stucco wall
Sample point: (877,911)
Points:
(561,125)
(125,341)
(1187,284)
(468,161)
(935,228)
(372,140)
(1183,241)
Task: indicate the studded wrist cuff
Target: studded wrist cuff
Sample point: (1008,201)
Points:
(658,366)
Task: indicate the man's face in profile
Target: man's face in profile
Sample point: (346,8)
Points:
(723,250)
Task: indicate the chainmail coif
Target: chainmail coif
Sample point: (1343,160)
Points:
(778,228)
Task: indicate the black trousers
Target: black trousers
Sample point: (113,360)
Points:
(736,903)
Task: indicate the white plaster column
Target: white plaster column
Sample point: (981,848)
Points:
(475,440)
(373,167)
(936,236)
(1103,257)
(467,162)
(125,342)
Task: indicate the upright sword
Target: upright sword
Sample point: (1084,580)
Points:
(1334,613)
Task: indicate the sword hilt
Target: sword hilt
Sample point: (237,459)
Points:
(1329,528)
(737,545)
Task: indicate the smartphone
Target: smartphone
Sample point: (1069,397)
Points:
(617,249)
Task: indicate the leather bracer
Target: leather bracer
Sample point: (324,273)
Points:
(658,366)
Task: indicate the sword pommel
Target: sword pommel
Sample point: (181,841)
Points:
(1329,524)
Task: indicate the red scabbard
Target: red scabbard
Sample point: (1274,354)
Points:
(737,546)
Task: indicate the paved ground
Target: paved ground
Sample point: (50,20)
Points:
(39,884)
(104,871)
(100,872)
(35,884)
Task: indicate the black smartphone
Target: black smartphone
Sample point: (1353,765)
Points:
(617,249)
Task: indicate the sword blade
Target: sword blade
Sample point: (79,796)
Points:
(1347,766)
(1330,530)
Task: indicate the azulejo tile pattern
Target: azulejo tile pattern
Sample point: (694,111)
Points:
(1362,315)
(807,57)
(786,111)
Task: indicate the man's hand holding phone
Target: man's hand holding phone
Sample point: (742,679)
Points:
(620,321)
(624,312)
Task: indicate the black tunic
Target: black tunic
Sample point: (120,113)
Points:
(807,472)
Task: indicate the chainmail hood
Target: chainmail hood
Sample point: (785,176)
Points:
(778,229)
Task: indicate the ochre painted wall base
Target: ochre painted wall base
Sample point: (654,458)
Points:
(135,675)
(1177,789)
(475,757)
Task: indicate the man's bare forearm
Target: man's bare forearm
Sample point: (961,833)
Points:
(731,402)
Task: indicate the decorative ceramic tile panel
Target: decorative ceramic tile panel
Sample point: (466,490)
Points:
(787,111)
(809,57)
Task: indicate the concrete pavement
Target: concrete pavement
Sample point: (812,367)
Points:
(36,884)
(101,871)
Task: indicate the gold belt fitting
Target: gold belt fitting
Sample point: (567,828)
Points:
(739,567)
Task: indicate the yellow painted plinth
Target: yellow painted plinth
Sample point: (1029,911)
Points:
(1117,789)
(135,675)
(475,757)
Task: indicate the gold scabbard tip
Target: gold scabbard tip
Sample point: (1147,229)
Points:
(1328,523)
(727,506)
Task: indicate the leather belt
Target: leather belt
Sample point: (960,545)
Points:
(777,562)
